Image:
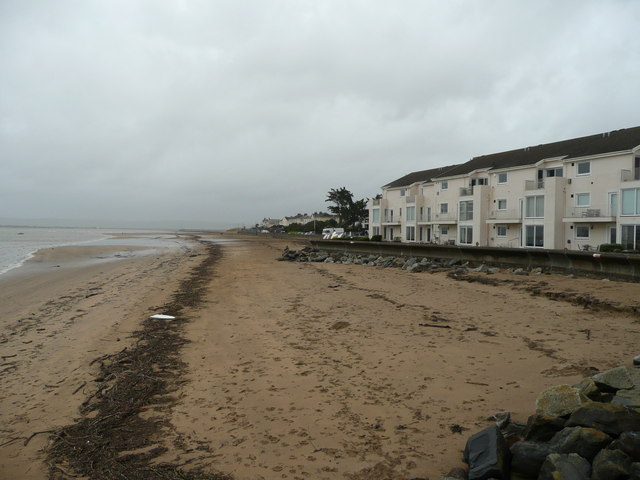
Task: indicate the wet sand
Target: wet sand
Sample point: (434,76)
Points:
(307,370)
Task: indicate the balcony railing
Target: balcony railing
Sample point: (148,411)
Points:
(592,211)
(630,175)
(444,217)
(376,202)
(391,219)
(510,214)
(425,217)
(410,198)
(533,184)
(466,191)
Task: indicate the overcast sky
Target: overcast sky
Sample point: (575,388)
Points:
(220,113)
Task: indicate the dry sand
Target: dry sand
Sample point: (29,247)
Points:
(304,370)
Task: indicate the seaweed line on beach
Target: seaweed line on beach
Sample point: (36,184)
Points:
(117,437)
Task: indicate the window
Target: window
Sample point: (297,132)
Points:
(631,237)
(502,178)
(444,208)
(444,229)
(479,181)
(402,192)
(501,231)
(534,206)
(502,204)
(375,215)
(534,236)
(444,185)
(553,172)
(584,168)
(583,199)
(466,210)
(400,215)
(411,234)
(631,201)
(376,231)
(466,235)
(411,214)
(582,232)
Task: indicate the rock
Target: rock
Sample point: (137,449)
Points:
(493,270)
(588,390)
(541,428)
(501,419)
(635,471)
(559,466)
(415,268)
(636,360)
(613,380)
(610,418)
(527,457)
(629,398)
(629,443)
(558,401)
(487,455)
(571,275)
(513,432)
(586,442)
(482,269)
(611,465)
(520,271)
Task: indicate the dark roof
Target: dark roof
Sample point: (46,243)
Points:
(421,176)
(615,141)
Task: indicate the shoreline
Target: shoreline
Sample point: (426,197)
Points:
(299,370)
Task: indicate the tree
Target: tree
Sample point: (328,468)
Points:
(349,212)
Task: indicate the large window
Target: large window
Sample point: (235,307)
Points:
(582,232)
(502,178)
(444,185)
(479,181)
(466,235)
(631,237)
(411,214)
(534,236)
(584,168)
(444,208)
(402,192)
(466,210)
(535,207)
(583,199)
(375,215)
(631,201)
(411,234)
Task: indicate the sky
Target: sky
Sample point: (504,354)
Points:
(213,114)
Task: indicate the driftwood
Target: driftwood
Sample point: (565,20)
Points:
(433,325)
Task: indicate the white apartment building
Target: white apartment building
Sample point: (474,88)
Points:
(574,194)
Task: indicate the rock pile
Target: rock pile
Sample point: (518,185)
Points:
(587,431)
(412,264)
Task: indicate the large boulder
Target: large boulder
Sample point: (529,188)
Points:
(541,428)
(610,418)
(586,442)
(527,457)
(611,465)
(589,390)
(628,398)
(612,380)
(629,443)
(558,401)
(487,455)
(560,466)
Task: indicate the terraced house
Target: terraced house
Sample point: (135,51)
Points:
(574,194)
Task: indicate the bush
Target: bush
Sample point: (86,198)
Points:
(360,239)
(610,247)
(376,238)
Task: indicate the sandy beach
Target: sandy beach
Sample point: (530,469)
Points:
(302,370)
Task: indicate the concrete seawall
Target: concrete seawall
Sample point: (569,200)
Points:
(619,265)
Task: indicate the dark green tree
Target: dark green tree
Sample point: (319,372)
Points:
(349,212)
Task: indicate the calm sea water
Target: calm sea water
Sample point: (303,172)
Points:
(18,244)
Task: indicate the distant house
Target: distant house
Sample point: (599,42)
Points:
(270,222)
(574,194)
(303,219)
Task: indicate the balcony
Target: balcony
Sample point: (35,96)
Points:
(390,219)
(533,184)
(590,214)
(466,191)
(376,202)
(424,218)
(445,217)
(512,215)
(410,199)
(630,175)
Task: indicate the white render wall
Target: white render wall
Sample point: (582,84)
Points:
(499,214)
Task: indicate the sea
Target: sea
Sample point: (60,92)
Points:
(19,244)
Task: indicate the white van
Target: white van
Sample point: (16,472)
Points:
(329,233)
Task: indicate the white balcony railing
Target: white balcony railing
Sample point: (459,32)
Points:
(376,202)
(509,214)
(445,217)
(592,211)
(533,184)
(410,198)
(630,175)
(466,191)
